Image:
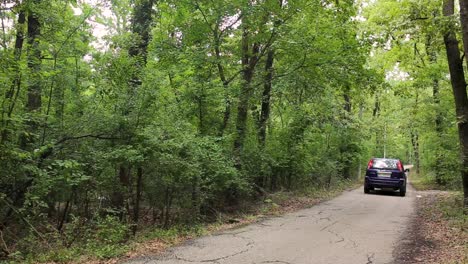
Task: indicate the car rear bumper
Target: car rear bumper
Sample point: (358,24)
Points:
(378,182)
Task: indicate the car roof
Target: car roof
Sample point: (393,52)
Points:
(384,159)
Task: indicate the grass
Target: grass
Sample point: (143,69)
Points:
(451,209)
(450,179)
(426,182)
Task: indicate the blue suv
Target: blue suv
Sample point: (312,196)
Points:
(385,173)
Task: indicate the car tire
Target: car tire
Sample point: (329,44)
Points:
(366,190)
(403,191)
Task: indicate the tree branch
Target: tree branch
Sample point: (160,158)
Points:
(228,81)
(100,136)
(204,16)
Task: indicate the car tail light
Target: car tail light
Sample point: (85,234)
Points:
(371,162)
(400,166)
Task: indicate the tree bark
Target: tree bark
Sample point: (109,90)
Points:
(414,133)
(34,102)
(464,25)
(347,100)
(195,199)
(345,144)
(136,207)
(249,60)
(267,85)
(34,92)
(142,18)
(458,82)
(12,94)
(438,129)
(225,81)
(141,24)
(266,96)
(415,144)
(378,131)
(119,195)
(376,110)
(432,53)
(66,211)
(167,207)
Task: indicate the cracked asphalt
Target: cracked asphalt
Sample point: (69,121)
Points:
(352,228)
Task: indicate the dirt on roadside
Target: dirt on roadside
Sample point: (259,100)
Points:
(434,236)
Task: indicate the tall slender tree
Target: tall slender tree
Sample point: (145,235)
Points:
(457,79)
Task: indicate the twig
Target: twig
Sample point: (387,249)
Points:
(100,136)
(6,250)
(26,221)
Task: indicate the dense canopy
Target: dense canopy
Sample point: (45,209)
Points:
(159,112)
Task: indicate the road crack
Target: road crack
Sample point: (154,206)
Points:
(355,245)
(275,261)
(215,260)
(249,245)
(328,226)
(340,238)
(370,258)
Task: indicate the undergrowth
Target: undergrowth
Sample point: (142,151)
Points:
(108,238)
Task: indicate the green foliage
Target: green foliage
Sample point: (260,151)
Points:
(174,233)
(417,109)
(139,128)
(107,241)
(103,238)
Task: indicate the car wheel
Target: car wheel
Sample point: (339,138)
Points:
(403,191)
(366,190)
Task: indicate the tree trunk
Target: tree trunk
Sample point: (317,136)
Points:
(376,111)
(222,77)
(34,102)
(464,24)
(432,53)
(438,129)
(378,132)
(167,207)
(141,25)
(34,94)
(249,60)
(195,199)
(415,144)
(119,195)
(458,82)
(266,96)
(136,207)
(345,144)
(201,113)
(347,100)
(267,86)
(142,17)
(63,218)
(12,94)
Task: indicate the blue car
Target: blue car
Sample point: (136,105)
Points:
(385,174)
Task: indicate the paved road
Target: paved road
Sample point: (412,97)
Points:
(352,228)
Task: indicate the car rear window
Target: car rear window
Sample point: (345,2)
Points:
(390,164)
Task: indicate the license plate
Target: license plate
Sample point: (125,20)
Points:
(385,174)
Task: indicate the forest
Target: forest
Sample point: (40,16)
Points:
(154,113)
